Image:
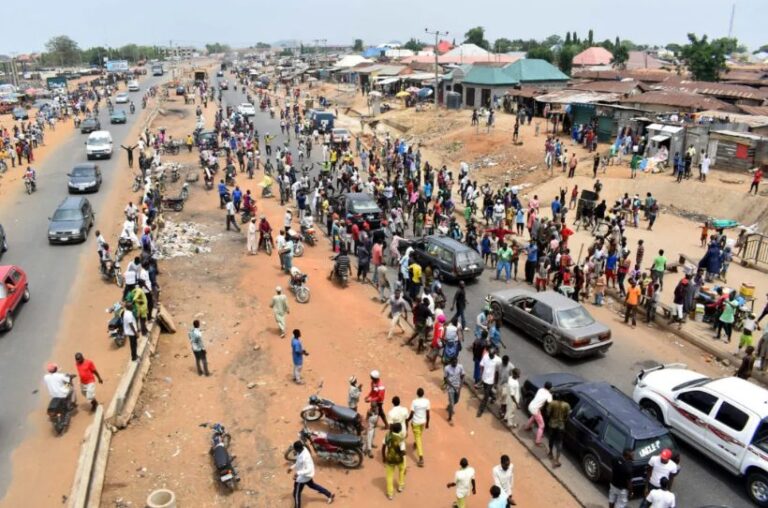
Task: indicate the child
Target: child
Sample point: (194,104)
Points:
(746,333)
(704,234)
(600,290)
(353,397)
(372,417)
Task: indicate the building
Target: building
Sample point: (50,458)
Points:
(593,57)
(182,52)
(668,101)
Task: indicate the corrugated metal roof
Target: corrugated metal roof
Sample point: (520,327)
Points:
(622,87)
(754,110)
(530,70)
(737,134)
(570,96)
(676,99)
(716,89)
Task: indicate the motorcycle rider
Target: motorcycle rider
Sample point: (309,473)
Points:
(132,107)
(264,230)
(59,384)
(341,264)
(30,175)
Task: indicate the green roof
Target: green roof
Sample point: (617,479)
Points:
(523,71)
(488,75)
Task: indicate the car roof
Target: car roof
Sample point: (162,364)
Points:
(555,300)
(741,391)
(99,134)
(71,202)
(448,242)
(622,408)
(85,165)
(359,196)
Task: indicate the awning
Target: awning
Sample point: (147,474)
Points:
(659,138)
(387,81)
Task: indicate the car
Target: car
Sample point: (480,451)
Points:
(89,125)
(219,74)
(359,208)
(339,136)
(726,419)
(180,90)
(71,221)
(121,98)
(118,116)
(99,145)
(223,84)
(84,177)
(20,113)
(603,422)
(208,139)
(246,109)
(562,325)
(133,86)
(14,289)
(3,240)
(452,259)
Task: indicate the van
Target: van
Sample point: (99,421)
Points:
(321,120)
(99,145)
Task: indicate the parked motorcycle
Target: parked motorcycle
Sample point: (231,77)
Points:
(110,271)
(297,283)
(124,246)
(222,460)
(138,182)
(342,416)
(60,409)
(346,449)
(115,324)
(340,274)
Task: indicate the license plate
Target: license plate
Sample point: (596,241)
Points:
(472,267)
(594,340)
(82,187)
(226,477)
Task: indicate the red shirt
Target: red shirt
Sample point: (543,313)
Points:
(85,370)
(437,335)
(377,392)
(758,176)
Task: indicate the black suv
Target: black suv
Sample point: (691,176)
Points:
(454,260)
(89,125)
(603,422)
(71,221)
(359,208)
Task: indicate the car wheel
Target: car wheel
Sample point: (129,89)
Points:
(9,322)
(551,347)
(652,410)
(757,488)
(26,296)
(591,466)
(5,245)
(496,311)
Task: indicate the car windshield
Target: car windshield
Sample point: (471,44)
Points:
(89,120)
(576,317)
(467,257)
(67,214)
(366,206)
(82,172)
(645,448)
(99,140)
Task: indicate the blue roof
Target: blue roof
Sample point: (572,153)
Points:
(373,52)
(522,71)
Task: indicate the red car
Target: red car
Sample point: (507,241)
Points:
(14,289)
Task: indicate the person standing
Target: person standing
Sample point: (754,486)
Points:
(489,374)
(354,392)
(393,456)
(660,467)
(303,475)
(419,419)
(620,488)
(661,497)
(87,373)
(377,395)
(231,215)
(460,304)
(279,305)
(130,329)
(504,479)
(513,398)
(557,412)
(252,246)
(298,353)
(463,481)
(398,308)
(756,178)
(658,268)
(747,364)
(198,348)
(632,300)
(705,163)
(543,396)
(129,151)
(572,165)
(453,380)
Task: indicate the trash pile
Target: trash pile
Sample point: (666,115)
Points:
(182,239)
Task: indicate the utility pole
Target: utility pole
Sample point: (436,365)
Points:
(437,34)
(730,25)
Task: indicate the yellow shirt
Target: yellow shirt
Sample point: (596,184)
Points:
(416,269)
(633,295)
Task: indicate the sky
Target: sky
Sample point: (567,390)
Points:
(242,23)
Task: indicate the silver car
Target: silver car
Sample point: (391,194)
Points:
(559,323)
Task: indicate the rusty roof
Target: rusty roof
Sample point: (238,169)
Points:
(729,90)
(677,99)
(622,87)
(754,110)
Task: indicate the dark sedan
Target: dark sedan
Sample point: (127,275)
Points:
(20,113)
(84,178)
(118,116)
(89,125)
(559,323)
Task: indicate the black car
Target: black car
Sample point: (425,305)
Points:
(3,240)
(453,259)
(71,221)
(208,139)
(180,90)
(89,125)
(84,178)
(602,423)
(359,208)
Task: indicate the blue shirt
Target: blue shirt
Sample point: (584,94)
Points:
(533,253)
(222,188)
(237,195)
(298,351)
(499,502)
(556,206)
(611,262)
(520,216)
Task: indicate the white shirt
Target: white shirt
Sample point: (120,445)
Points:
(488,365)
(304,467)
(661,499)
(57,384)
(542,397)
(129,323)
(505,480)
(661,470)
(463,481)
(231,208)
(130,277)
(420,407)
(398,414)
(513,387)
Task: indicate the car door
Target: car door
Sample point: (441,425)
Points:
(541,320)
(728,437)
(520,313)
(689,412)
(583,431)
(13,279)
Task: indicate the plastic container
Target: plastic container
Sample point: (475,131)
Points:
(161,498)
(747,290)
(699,316)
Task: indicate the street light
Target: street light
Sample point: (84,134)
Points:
(437,34)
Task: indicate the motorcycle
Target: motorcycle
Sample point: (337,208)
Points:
(297,284)
(115,324)
(342,276)
(267,243)
(138,182)
(222,460)
(308,235)
(341,416)
(266,191)
(175,174)
(132,108)
(346,449)
(298,246)
(60,409)
(30,185)
(110,270)
(246,215)
(124,246)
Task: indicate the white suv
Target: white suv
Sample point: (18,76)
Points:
(726,419)
(99,145)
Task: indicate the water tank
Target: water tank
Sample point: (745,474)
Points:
(453,100)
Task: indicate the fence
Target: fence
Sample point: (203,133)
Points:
(755,249)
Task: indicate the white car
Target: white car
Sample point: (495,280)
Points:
(246,109)
(339,135)
(133,86)
(121,98)
(99,145)
(726,419)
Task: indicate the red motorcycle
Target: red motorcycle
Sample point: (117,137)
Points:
(346,449)
(347,419)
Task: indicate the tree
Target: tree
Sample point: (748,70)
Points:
(503,45)
(217,48)
(567,39)
(263,45)
(704,59)
(674,48)
(476,36)
(542,53)
(761,49)
(414,45)
(358,46)
(552,40)
(575,38)
(565,58)
(620,57)
(607,44)
(62,50)
(729,45)
(590,38)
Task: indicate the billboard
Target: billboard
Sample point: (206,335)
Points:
(116,66)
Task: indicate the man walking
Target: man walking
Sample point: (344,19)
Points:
(303,474)
(198,348)
(376,396)
(398,308)
(557,412)
(453,380)
(460,304)
(631,300)
(279,305)
(463,481)
(513,398)
(621,480)
(88,375)
(542,397)
(489,373)
(393,456)
(504,479)
(130,329)
(419,419)
(658,268)
(298,352)
(232,215)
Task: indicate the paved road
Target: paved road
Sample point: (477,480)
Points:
(51,270)
(701,482)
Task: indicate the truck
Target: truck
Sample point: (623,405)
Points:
(321,120)
(200,76)
(157,69)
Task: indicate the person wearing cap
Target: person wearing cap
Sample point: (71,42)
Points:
(661,466)
(58,383)
(88,375)
(377,395)
(353,395)
(279,306)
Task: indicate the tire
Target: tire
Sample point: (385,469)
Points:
(496,311)
(177,207)
(136,186)
(9,322)
(298,250)
(591,466)
(551,347)
(290,454)
(311,414)
(5,245)
(352,459)
(120,341)
(653,410)
(757,487)
(302,295)
(119,280)
(26,296)
(231,484)
(268,248)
